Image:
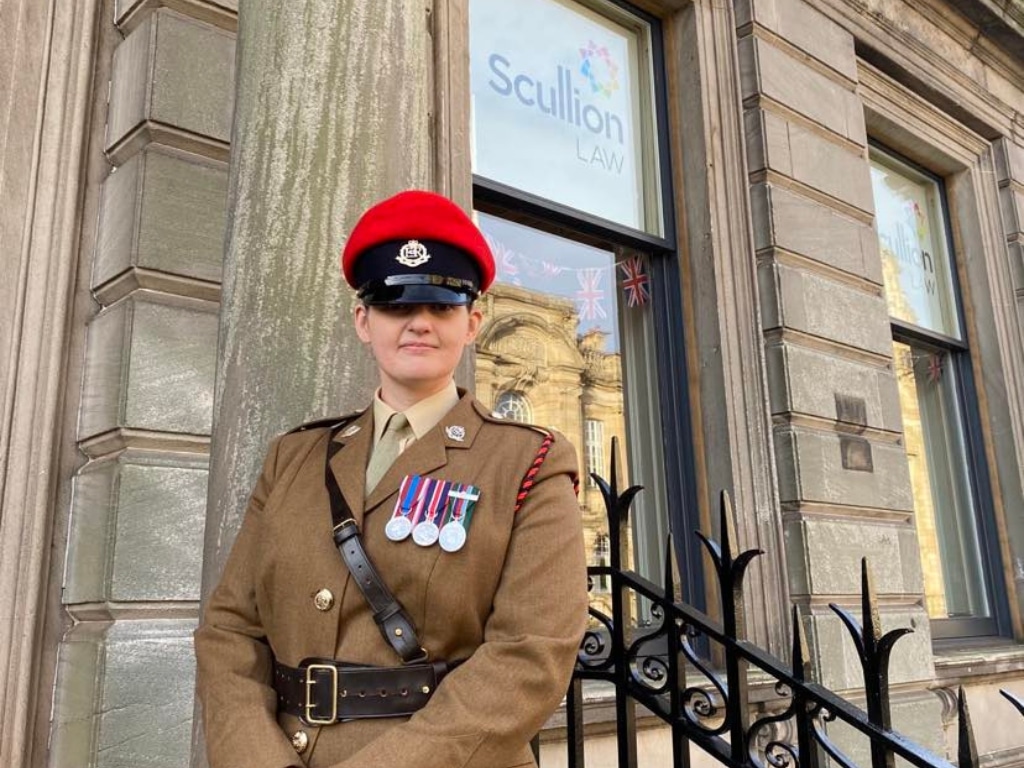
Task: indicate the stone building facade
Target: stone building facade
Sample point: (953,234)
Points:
(178,177)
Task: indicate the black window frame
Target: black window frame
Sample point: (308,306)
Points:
(950,631)
(510,203)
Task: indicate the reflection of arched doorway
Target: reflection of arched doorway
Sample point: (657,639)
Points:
(514,406)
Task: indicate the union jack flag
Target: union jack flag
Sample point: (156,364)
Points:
(635,282)
(935,363)
(590,295)
(505,260)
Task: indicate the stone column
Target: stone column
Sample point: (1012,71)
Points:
(46,66)
(334,109)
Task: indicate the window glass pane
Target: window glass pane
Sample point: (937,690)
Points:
(554,322)
(912,239)
(557,97)
(943,505)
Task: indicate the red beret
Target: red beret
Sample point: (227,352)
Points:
(416,215)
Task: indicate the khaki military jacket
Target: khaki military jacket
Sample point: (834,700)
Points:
(512,602)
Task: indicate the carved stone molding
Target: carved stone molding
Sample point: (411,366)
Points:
(51,75)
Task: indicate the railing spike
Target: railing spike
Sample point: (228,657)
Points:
(727,528)
(801,657)
(967,749)
(1015,700)
(870,618)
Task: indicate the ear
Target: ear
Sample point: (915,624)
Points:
(476,319)
(361,320)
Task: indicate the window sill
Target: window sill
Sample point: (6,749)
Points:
(977,660)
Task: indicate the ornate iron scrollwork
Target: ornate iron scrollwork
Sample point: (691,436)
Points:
(666,668)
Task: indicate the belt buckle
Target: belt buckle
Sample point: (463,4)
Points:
(308,707)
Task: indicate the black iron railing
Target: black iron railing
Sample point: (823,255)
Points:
(666,668)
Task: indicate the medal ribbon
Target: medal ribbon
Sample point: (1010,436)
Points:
(436,490)
(462,499)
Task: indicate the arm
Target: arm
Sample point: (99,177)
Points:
(490,706)
(234,658)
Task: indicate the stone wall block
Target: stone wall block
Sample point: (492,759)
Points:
(107,345)
(164,212)
(771,72)
(840,669)
(815,466)
(1011,201)
(1001,730)
(1009,158)
(830,553)
(137,530)
(809,382)
(150,366)
(786,219)
(90,538)
(806,156)
(79,668)
(807,29)
(824,308)
(174,71)
(917,715)
(1017,267)
(136,727)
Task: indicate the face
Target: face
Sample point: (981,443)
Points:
(416,346)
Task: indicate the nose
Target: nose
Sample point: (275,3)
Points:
(419,320)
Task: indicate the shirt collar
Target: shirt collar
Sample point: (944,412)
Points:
(423,416)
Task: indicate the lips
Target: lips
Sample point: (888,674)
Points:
(417,346)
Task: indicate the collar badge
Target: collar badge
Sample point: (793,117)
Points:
(413,254)
(351,430)
(456,433)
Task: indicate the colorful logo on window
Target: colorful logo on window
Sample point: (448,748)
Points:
(597,66)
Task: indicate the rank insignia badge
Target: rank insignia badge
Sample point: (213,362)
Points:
(433,511)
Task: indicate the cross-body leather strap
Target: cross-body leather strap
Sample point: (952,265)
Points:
(392,620)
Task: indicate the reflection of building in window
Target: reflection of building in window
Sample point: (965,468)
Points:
(512,405)
(602,556)
(593,442)
(529,347)
(932,366)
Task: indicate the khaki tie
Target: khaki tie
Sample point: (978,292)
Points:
(387,450)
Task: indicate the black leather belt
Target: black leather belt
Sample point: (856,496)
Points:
(325,691)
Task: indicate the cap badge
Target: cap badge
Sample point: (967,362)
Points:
(413,254)
(456,433)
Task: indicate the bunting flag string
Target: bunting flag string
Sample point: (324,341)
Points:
(590,295)
(636,283)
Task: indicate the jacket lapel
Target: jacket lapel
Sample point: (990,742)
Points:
(430,452)
(349,463)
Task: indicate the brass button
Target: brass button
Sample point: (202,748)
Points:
(300,740)
(323,600)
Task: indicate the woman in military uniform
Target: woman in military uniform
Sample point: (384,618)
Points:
(408,586)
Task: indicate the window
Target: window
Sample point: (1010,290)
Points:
(594,443)
(512,405)
(933,372)
(571,192)
(602,556)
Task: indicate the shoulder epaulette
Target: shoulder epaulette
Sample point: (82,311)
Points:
(494,417)
(329,423)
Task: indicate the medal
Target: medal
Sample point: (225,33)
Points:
(425,534)
(427,531)
(406,508)
(461,500)
(452,537)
